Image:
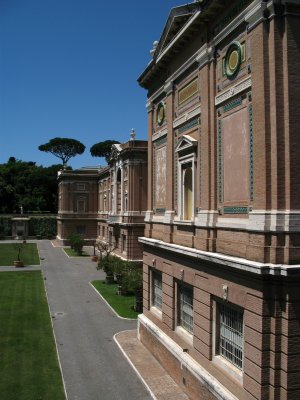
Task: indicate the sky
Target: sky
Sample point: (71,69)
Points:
(69,68)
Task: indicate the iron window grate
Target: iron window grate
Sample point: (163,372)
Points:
(231,335)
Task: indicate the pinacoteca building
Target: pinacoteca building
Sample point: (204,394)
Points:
(221,243)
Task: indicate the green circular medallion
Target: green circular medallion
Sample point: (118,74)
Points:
(233,60)
(160,113)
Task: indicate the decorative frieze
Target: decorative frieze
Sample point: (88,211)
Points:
(251,153)
(187,116)
(159,134)
(235,210)
(188,125)
(233,91)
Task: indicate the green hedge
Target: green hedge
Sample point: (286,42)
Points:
(43,226)
(5,226)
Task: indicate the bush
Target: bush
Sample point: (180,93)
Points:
(76,242)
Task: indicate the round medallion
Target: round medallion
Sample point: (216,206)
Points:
(233,60)
(160,113)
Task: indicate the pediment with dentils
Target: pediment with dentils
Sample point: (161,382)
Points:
(186,143)
(177,19)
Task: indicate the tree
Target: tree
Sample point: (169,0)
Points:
(28,185)
(103,149)
(63,148)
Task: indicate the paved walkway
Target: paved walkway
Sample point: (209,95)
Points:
(91,338)
(92,364)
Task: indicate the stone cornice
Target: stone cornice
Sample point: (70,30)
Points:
(227,261)
(255,15)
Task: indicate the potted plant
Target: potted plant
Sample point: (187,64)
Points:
(18,263)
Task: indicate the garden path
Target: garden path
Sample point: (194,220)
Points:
(92,364)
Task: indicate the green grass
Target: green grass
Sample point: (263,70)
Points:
(72,253)
(123,305)
(29,367)
(9,253)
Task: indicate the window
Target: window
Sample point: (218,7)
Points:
(124,243)
(157,289)
(81,229)
(230,334)
(185,308)
(81,204)
(188,193)
(185,171)
(80,186)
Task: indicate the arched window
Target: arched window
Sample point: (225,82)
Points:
(119,190)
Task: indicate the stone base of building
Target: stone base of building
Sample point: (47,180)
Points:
(187,373)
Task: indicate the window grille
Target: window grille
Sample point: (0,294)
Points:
(157,289)
(186,308)
(231,335)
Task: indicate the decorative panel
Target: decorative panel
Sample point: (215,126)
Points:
(235,138)
(188,91)
(160,177)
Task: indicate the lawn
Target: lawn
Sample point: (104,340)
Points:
(28,254)
(123,305)
(72,253)
(29,367)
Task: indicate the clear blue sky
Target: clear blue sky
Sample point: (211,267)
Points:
(68,68)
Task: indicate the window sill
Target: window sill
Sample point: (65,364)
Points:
(229,368)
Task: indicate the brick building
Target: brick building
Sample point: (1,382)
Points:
(107,203)
(221,242)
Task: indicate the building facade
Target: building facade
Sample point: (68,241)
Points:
(109,203)
(221,242)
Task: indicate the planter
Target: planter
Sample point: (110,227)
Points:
(18,264)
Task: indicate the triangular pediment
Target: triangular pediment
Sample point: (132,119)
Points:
(186,143)
(177,19)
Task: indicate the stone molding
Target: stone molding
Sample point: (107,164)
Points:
(206,55)
(233,90)
(222,259)
(157,135)
(149,106)
(187,116)
(255,15)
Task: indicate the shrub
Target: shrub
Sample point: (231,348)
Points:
(76,242)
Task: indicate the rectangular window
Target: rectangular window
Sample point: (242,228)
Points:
(157,289)
(230,334)
(186,314)
(124,243)
(81,204)
(81,229)
(80,186)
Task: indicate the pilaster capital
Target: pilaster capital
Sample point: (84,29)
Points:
(149,106)
(206,55)
(168,88)
(255,15)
